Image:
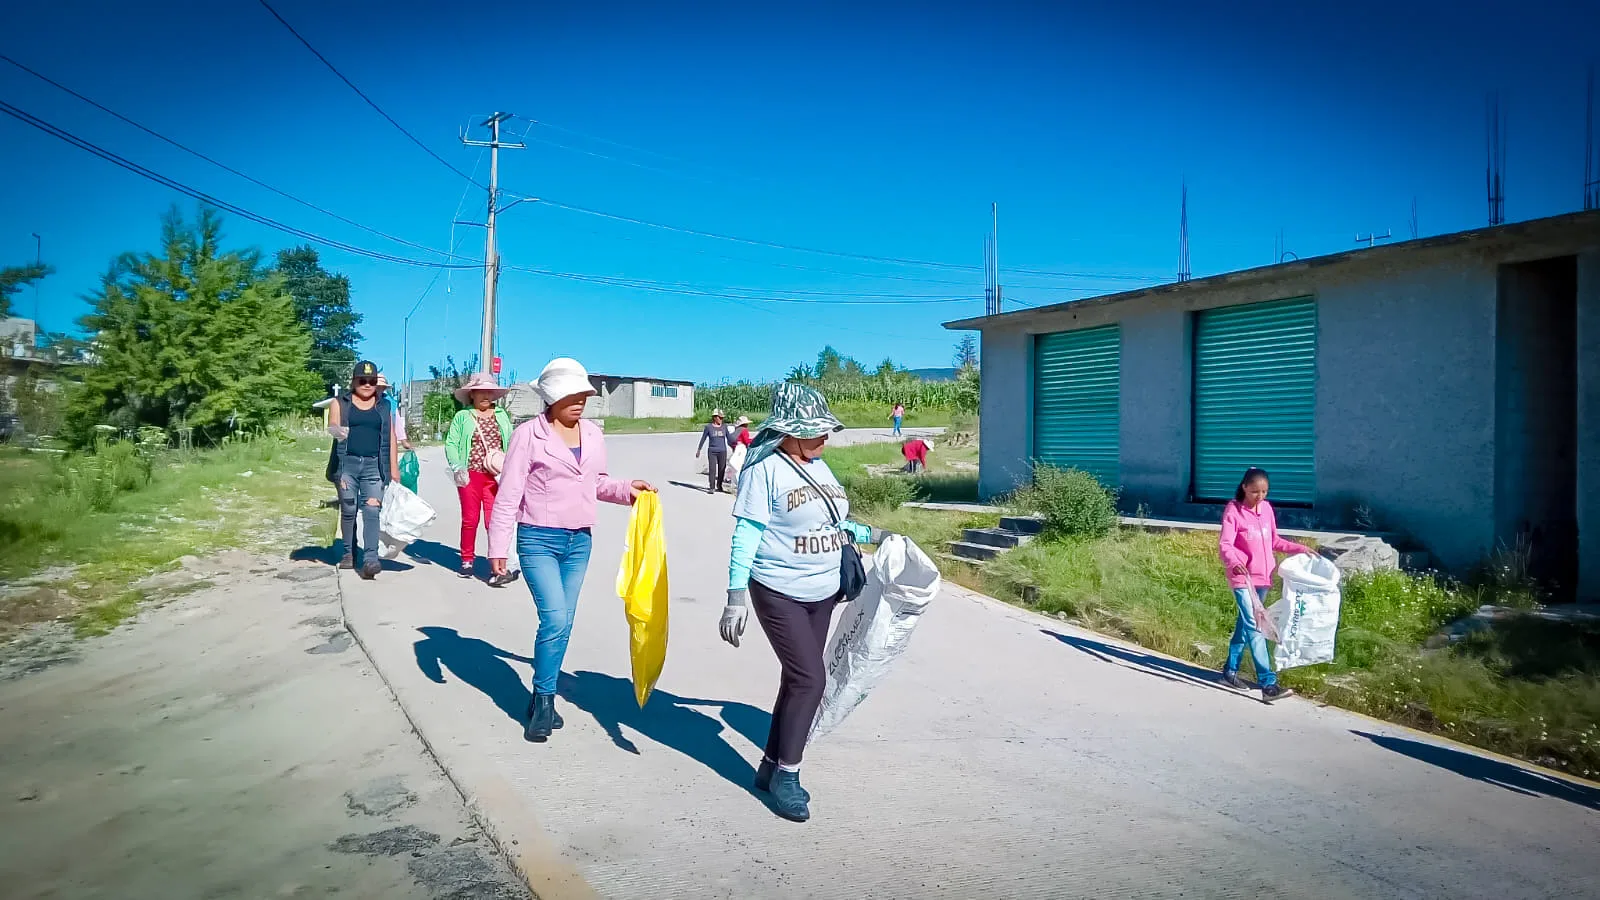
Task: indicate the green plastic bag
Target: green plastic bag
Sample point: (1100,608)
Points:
(409,470)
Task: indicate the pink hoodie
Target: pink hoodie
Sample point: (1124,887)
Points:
(544,484)
(1249,538)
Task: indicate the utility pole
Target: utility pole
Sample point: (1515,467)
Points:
(1183,234)
(994,257)
(38,262)
(491,255)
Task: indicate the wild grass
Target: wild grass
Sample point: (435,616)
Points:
(116,515)
(852,413)
(952,475)
(1529,688)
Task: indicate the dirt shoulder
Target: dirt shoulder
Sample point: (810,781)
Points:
(232,741)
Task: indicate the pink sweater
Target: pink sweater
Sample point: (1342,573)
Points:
(1249,538)
(544,484)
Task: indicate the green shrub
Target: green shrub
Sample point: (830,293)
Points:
(1072,502)
(880,492)
(91,482)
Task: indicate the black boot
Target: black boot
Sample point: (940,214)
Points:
(555,717)
(541,718)
(764,773)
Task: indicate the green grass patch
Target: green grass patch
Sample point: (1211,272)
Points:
(852,414)
(869,475)
(1530,689)
(116,516)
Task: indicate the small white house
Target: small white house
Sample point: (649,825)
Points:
(618,396)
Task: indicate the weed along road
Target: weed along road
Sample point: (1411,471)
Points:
(1007,755)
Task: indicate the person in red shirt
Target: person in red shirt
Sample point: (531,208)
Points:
(744,431)
(916,453)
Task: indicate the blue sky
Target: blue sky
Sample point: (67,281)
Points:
(872,129)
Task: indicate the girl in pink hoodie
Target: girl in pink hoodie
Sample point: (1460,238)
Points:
(1249,538)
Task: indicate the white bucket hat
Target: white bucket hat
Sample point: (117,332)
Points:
(562,377)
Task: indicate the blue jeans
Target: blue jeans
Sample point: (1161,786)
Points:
(1245,632)
(360,489)
(897,426)
(554,561)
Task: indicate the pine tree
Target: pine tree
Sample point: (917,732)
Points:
(322,304)
(14,279)
(193,336)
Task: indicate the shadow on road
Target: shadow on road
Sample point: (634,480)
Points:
(667,719)
(692,487)
(328,556)
(438,554)
(478,663)
(671,721)
(1159,666)
(1490,771)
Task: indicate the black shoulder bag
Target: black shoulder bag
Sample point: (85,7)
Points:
(852,572)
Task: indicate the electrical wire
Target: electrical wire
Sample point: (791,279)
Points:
(223,166)
(864,257)
(893,260)
(683,289)
(370,102)
(137,169)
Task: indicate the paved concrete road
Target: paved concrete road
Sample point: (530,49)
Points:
(230,743)
(1006,756)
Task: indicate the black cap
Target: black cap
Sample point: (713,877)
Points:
(364,369)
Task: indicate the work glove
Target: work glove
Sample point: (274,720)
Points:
(735,615)
(461,477)
(878,534)
(339,432)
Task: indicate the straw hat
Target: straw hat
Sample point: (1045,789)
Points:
(480,381)
(743,420)
(562,377)
(718,414)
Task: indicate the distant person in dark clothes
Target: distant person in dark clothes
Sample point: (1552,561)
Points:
(714,438)
(363,427)
(916,453)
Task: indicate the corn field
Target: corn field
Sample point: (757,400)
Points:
(745,396)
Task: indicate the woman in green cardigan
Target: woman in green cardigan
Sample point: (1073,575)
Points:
(475,449)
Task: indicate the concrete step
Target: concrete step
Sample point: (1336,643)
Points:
(1416,560)
(995,537)
(1022,524)
(969,550)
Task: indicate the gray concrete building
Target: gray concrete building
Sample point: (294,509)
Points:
(618,396)
(1447,389)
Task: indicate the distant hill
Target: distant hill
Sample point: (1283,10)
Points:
(934,374)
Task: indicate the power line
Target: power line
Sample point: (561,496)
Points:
(758,243)
(680,288)
(370,102)
(223,166)
(137,169)
(887,260)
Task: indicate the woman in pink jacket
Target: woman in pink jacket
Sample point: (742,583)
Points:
(555,471)
(1249,538)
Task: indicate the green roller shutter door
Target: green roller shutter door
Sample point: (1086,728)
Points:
(1255,378)
(1076,414)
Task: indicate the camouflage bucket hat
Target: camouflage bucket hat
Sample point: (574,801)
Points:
(797,410)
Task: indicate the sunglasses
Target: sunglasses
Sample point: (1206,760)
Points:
(362,381)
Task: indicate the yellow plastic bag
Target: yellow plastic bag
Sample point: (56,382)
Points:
(642,585)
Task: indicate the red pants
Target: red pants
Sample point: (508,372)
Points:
(477,499)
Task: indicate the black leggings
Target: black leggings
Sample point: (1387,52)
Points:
(799,633)
(716,469)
